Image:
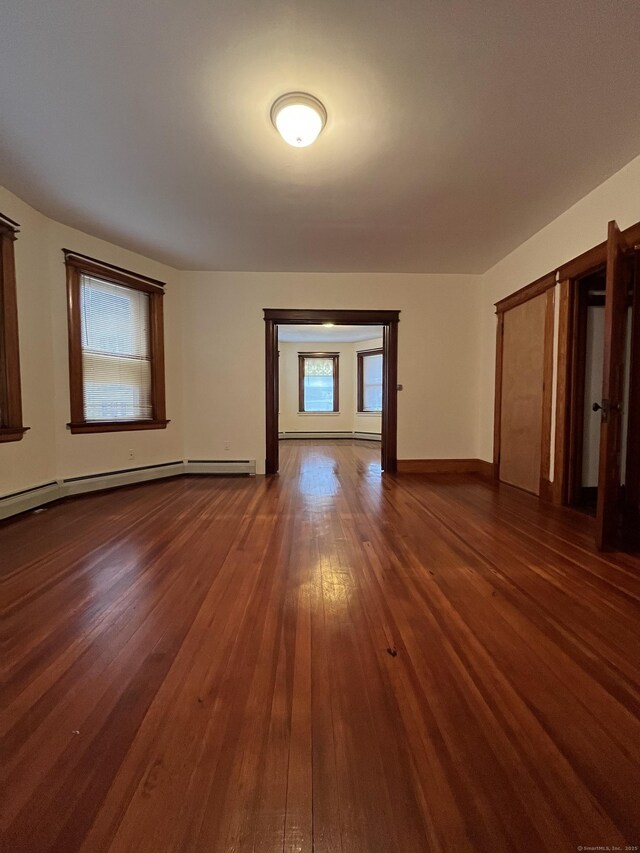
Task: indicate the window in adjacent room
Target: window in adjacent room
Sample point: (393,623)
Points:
(318,381)
(11,428)
(370,380)
(116,348)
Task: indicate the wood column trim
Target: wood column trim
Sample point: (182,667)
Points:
(271,366)
(497,407)
(158,392)
(11,427)
(75,344)
(563,384)
(547,397)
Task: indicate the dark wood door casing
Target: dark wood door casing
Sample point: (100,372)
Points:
(615,323)
(274,317)
(272,394)
(566,280)
(632,474)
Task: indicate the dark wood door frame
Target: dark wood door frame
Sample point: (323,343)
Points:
(631,521)
(570,396)
(573,458)
(274,317)
(611,424)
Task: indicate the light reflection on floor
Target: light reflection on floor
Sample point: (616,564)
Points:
(320,468)
(325,474)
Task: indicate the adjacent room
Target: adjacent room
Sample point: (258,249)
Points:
(320,426)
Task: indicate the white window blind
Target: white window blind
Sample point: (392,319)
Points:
(372,383)
(116,357)
(318,384)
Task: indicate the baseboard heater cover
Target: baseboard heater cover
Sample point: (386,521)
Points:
(220,466)
(125,477)
(372,436)
(28,499)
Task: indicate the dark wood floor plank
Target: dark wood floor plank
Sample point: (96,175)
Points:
(323,662)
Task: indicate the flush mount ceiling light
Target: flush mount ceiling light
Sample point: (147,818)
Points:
(298,118)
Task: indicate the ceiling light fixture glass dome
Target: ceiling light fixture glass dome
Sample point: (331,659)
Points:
(298,118)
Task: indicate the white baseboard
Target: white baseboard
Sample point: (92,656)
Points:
(39,495)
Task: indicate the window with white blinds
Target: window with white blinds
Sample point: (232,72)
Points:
(116,352)
(370,381)
(116,347)
(318,389)
(11,428)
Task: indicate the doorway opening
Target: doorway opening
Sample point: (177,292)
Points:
(584,460)
(602,453)
(331,372)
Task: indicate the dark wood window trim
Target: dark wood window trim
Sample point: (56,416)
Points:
(77,265)
(335,357)
(361,355)
(11,428)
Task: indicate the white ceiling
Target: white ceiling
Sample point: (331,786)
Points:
(455,129)
(333,334)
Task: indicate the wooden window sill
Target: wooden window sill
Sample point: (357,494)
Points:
(12,433)
(115,426)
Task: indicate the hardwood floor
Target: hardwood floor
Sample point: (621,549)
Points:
(327,660)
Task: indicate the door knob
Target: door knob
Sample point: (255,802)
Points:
(605,408)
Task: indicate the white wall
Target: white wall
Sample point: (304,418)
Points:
(223,333)
(578,229)
(347,419)
(49,451)
(214,321)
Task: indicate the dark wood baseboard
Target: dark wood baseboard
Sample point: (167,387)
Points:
(446,466)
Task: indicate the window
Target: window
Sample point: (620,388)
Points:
(318,381)
(116,348)
(370,380)
(11,428)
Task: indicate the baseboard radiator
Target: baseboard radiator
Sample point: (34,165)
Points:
(29,499)
(364,436)
(40,495)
